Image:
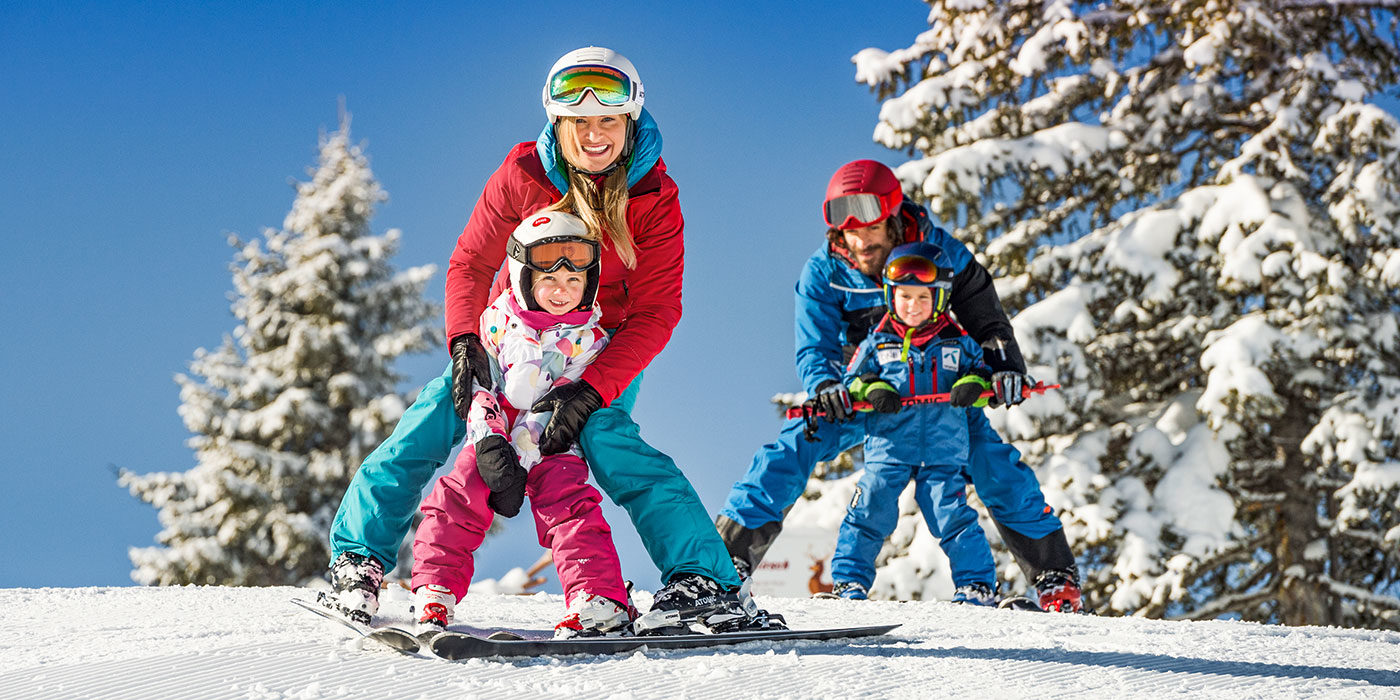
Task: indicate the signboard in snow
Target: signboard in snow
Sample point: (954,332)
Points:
(797,565)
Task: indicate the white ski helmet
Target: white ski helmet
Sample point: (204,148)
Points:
(544,242)
(593,81)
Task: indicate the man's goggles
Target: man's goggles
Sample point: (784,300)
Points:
(550,254)
(854,211)
(609,85)
(916,269)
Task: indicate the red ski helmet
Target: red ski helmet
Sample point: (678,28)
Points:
(861,193)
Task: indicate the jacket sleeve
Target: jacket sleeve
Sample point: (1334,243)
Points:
(653,291)
(975,301)
(817,326)
(485,416)
(480,251)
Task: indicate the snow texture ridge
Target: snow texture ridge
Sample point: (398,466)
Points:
(211,643)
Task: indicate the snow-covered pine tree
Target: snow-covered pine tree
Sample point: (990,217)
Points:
(286,409)
(1195,208)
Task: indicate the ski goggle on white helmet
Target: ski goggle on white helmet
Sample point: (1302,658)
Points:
(593,81)
(545,242)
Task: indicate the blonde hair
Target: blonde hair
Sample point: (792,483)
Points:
(605,213)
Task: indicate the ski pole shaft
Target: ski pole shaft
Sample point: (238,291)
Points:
(799,412)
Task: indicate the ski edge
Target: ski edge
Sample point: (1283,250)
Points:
(456,646)
(397,639)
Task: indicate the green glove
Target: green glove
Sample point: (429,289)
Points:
(967,391)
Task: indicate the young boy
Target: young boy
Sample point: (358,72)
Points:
(916,349)
(539,334)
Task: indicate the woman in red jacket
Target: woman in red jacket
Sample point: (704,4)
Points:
(599,158)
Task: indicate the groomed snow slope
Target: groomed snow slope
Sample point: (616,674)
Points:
(251,644)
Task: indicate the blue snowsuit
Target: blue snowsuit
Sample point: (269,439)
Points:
(377,509)
(926,443)
(836,306)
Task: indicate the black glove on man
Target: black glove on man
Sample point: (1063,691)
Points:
(500,468)
(469,362)
(1009,387)
(572,404)
(834,400)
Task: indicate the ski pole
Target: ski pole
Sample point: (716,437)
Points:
(809,413)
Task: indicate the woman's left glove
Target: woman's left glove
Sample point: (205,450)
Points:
(572,404)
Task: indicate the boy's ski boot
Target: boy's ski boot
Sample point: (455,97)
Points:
(1057,591)
(355,582)
(432,609)
(849,590)
(592,615)
(975,594)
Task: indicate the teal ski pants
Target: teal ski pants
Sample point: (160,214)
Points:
(674,526)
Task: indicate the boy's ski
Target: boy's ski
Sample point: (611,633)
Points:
(392,637)
(1019,602)
(457,646)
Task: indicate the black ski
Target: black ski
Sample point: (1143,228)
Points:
(458,646)
(392,637)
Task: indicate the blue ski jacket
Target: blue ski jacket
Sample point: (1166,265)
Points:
(921,434)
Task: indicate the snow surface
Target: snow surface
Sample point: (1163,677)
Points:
(207,643)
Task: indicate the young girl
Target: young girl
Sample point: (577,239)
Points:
(916,349)
(539,334)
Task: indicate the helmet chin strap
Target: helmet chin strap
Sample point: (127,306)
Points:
(623,157)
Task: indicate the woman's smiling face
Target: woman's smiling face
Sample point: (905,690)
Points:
(599,140)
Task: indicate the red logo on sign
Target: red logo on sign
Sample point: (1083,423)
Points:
(540,221)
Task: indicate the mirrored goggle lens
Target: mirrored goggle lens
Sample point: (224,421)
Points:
(860,209)
(609,85)
(910,268)
(550,256)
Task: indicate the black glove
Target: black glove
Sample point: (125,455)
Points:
(883,397)
(967,391)
(500,468)
(1009,386)
(572,404)
(469,362)
(834,400)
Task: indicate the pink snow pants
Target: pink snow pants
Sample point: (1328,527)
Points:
(567,519)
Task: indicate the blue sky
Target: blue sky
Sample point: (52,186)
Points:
(135,137)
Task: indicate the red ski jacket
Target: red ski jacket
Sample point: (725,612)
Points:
(642,304)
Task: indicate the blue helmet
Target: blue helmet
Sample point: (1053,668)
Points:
(920,264)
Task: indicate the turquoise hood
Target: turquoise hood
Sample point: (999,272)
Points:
(645,152)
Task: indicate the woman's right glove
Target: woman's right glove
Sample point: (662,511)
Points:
(500,468)
(572,404)
(469,362)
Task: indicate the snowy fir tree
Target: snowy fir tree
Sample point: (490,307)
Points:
(284,412)
(1192,210)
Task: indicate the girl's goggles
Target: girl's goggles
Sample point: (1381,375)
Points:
(550,254)
(916,269)
(853,211)
(609,85)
